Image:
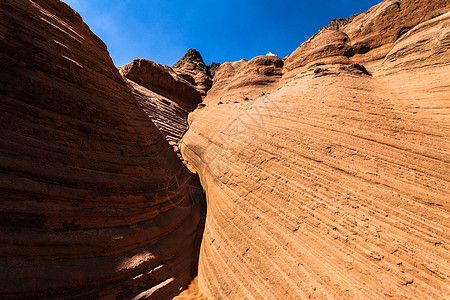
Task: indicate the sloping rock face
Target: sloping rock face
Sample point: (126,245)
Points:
(368,37)
(243,80)
(374,32)
(162,80)
(329,46)
(95,204)
(166,114)
(334,183)
(167,94)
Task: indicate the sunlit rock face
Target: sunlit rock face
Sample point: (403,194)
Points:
(333,181)
(94,202)
(163,80)
(243,80)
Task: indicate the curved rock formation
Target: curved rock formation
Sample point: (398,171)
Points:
(334,184)
(95,204)
(243,80)
(366,38)
(162,80)
(327,174)
(167,94)
(377,29)
(330,46)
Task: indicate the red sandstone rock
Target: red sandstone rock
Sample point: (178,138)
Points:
(244,80)
(377,29)
(192,68)
(166,114)
(325,45)
(323,180)
(334,184)
(94,203)
(368,37)
(162,80)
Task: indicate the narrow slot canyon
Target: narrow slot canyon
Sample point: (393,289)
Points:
(320,175)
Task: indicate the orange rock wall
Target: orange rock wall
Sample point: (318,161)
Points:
(94,202)
(334,183)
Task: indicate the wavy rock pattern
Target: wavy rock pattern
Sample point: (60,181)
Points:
(374,32)
(335,184)
(244,80)
(166,114)
(95,204)
(164,81)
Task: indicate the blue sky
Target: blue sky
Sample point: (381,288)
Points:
(163,30)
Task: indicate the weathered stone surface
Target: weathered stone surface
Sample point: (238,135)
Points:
(334,184)
(192,68)
(244,80)
(94,202)
(166,114)
(324,179)
(167,94)
(374,32)
(367,37)
(324,45)
(162,80)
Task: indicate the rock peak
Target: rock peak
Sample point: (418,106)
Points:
(191,56)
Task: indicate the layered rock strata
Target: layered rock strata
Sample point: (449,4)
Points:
(95,204)
(368,37)
(162,80)
(244,80)
(334,182)
(166,114)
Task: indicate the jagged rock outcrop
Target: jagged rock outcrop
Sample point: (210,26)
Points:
(337,24)
(213,67)
(94,202)
(334,183)
(192,68)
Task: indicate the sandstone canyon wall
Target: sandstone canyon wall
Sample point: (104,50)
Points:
(94,202)
(327,177)
(168,94)
(326,173)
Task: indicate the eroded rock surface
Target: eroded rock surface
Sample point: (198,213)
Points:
(327,173)
(167,94)
(192,68)
(243,80)
(334,183)
(94,202)
(162,80)
(166,114)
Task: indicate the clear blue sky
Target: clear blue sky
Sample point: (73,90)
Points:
(163,30)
